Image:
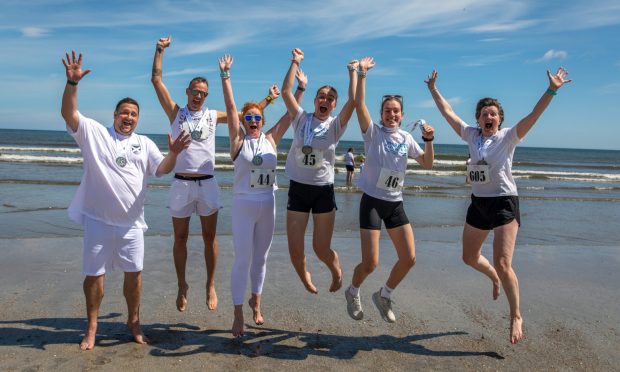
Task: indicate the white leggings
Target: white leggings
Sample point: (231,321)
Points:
(253,223)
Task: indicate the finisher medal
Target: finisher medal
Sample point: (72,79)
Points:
(257,160)
(196,134)
(306,149)
(121,161)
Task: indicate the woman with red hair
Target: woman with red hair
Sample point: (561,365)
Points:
(255,157)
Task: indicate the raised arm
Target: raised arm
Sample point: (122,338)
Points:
(428,135)
(363,116)
(165,100)
(174,149)
(555,82)
(278,130)
(349,106)
(235,134)
(69,108)
(444,107)
(292,107)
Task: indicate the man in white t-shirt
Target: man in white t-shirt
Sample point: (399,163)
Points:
(109,202)
(194,188)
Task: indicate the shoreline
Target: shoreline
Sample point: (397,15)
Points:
(445,316)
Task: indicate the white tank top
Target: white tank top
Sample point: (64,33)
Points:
(199,157)
(255,178)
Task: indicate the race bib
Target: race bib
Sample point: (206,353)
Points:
(478,174)
(312,160)
(390,180)
(262,178)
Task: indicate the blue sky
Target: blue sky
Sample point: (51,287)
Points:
(497,48)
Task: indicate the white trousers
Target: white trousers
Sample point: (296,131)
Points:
(253,223)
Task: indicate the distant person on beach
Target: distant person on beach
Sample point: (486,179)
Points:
(255,157)
(310,167)
(494,200)
(194,188)
(109,202)
(349,163)
(387,148)
(362,164)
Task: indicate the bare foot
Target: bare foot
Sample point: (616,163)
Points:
(182,298)
(136,331)
(237,327)
(88,342)
(496,289)
(307,281)
(211,298)
(336,281)
(255,306)
(516,330)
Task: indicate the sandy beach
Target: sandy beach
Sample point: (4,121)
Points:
(446,318)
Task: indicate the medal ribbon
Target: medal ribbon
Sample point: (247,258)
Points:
(258,146)
(308,132)
(189,118)
(117,142)
(483,148)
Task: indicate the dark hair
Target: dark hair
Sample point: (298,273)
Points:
(487,101)
(331,89)
(350,149)
(198,79)
(128,100)
(396,98)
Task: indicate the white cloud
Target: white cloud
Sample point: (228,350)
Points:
(429,103)
(553,54)
(504,26)
(35,32)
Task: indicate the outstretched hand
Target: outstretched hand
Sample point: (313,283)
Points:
(164,42)
(559,79)
(179,144)
(225,62)
(73,67)
(298,55)
(302,78)
(274,91)
(431,80)
(353,65)
(366,64)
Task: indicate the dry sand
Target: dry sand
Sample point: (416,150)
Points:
(446,318)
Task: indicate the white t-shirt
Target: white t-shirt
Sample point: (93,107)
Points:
(199,157)
(253,181)
(348,158)
(388,151)
(497,151)
(109,193)
(316,168)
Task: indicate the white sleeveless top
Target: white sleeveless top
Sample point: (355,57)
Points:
(199,157)
(253,180)
(388,152)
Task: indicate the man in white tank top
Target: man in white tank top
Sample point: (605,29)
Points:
(194,189)
(109,202)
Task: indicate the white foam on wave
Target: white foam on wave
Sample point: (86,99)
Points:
(70,150)
(40,159)
(569,175)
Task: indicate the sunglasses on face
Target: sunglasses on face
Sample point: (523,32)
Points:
(397,97)
(196,92)
(256,118)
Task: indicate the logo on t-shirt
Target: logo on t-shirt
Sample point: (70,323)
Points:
(400,149)
(135,148)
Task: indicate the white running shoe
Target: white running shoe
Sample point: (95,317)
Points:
(354,305)
(385,306)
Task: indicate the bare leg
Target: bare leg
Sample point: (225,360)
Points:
(322,241)
(370,256)
(254,303)
(237,328)
(132,289)
(503,250)
(93,291)
(209,226)
(403,240)
(296,223)
(179,253)
(472,247)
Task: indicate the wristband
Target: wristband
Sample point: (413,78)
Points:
(295,61)
(269,99)
(301,89)
(74,83)
(351,68)
(225,74)
(551,92)
(428,139)
(361,73)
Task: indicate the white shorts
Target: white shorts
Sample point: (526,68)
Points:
(189,197)
(108,247)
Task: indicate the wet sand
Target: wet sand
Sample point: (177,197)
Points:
(446,318)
